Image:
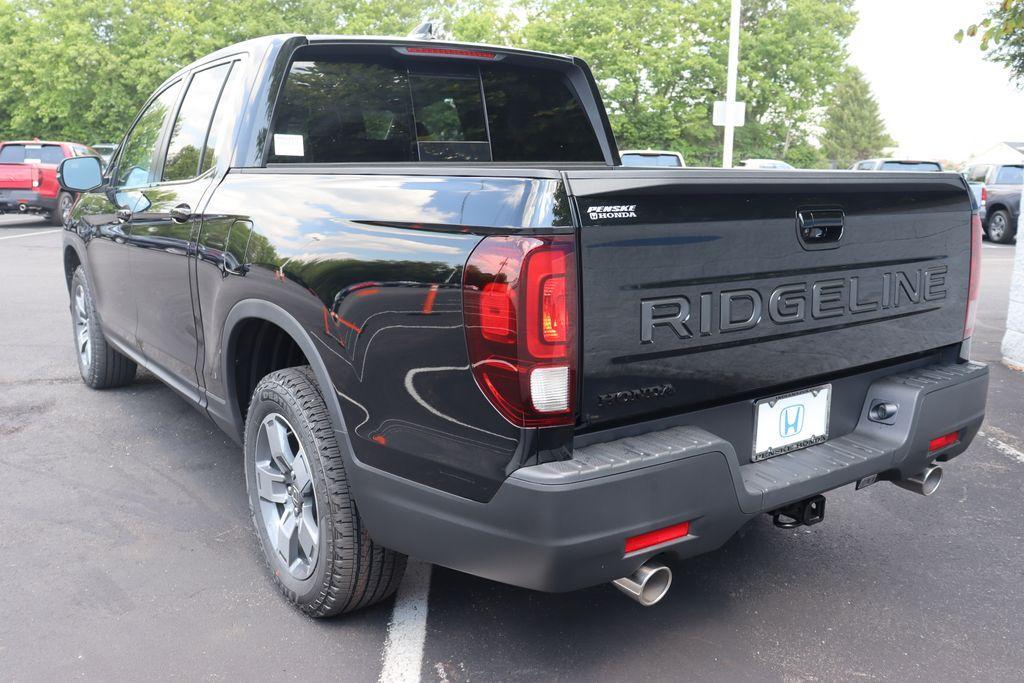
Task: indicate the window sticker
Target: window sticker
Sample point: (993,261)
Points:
(288,145)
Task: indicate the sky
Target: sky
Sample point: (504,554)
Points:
(940,99)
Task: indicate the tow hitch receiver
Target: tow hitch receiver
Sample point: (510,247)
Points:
(805,513)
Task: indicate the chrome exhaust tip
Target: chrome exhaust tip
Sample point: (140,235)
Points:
(648,584)
(926,482)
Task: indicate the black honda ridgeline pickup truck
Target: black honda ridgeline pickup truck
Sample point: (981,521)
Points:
(412,280)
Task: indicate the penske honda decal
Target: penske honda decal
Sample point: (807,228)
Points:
(596,213)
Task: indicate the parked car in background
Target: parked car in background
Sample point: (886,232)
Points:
(997,189)
(897,165)
(28,177)
(651,157)
(776,164)
(105,150)
(442,321)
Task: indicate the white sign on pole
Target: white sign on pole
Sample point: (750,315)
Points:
(729,113)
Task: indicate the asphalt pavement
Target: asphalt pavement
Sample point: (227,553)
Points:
(126,553)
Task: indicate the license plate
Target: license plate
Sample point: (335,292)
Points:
(791,421)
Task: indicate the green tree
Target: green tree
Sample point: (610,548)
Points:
(81,69)
(853,127)
(661,64)
(1001,34)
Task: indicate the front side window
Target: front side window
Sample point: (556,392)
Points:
(337,110)
(188,137)
(140,149)
(1010,175)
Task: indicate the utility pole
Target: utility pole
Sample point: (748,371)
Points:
(730,86)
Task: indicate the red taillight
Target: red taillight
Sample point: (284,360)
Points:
(519,301)
(943,441)
(984,195)
(974,288)
(657,537)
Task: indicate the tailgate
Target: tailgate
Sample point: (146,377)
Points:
(703,286)
(17,176)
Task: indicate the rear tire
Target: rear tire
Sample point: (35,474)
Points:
(102,366)
(999,228)
(312,536)
(64,202)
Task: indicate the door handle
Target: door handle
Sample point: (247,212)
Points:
(820,228)
(123,215)
(182,213)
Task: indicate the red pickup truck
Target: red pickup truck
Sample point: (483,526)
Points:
(28,177)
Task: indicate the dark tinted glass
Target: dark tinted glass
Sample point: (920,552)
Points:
(136,160)
(335,111)
(1010,175)
(31,154)
(927,166)
(224,118)
(190,128)
(535,115)
(343,112)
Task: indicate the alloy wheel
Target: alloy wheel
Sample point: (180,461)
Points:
(288,505)
(997,228)
(83,341)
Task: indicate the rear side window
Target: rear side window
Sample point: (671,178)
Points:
(188,137)
(31,154)
(402,110)
(1010,175)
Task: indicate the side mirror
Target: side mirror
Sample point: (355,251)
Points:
(80,174)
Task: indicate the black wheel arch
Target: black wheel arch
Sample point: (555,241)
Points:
(259,309)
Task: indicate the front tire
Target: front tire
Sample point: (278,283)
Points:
(999,228)
(312,536)
(101,366)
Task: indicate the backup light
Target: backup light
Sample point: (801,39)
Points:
(519,303)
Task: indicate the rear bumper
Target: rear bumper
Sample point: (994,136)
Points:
(561,526)
(12,200)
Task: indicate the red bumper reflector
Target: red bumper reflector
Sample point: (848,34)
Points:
(943,441)
(669,533)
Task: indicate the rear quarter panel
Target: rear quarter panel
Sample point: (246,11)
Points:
(371,267)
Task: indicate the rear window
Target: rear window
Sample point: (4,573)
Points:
(977,174)
(31,154)
(650,160)
(926,166)
(1010,175)
(393,109)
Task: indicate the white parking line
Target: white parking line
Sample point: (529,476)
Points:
(997,438)
(407,631)
(29,234)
